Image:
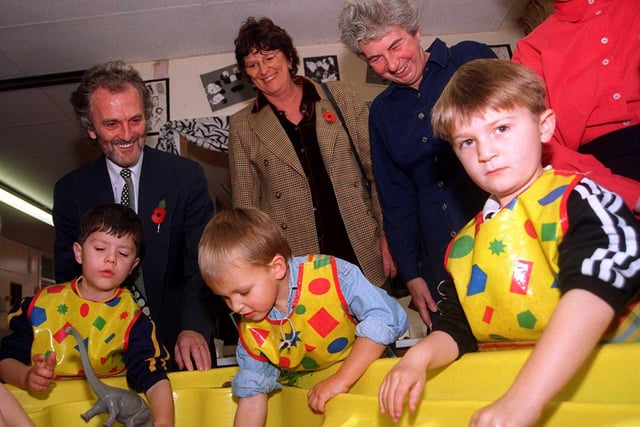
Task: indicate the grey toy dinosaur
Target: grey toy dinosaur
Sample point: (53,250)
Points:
(122,405)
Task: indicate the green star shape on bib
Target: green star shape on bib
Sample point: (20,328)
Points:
(497,247)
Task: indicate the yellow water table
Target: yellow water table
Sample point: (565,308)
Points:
(605,392)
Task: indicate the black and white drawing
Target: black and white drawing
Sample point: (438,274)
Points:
(159,90)
(226,86)
(321,68)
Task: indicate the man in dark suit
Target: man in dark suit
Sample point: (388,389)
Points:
(169,193)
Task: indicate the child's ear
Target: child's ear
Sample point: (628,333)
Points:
(547,125)
(77,252)
(279,266)
(135,264)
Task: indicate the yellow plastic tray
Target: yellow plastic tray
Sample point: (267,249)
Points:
(606,392)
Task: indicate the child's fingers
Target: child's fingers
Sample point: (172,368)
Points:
(382,397)
(50,361)
(44,372)
(317,404)
(45,363)
(41,374)
(397,401)
(38,359)
(317,400)
(414,396)
(39,378)
(391,397)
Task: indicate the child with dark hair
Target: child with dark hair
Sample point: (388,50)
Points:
(119,338)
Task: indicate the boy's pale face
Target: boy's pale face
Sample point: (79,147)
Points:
(253,290)
(106,261)
(501,150)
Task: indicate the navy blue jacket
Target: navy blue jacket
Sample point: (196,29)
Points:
(175,290)
(426,195)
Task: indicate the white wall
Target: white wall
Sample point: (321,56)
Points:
(18,264)
(188,100)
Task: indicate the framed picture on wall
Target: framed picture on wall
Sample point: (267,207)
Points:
(502,51)
(226,86)
(159,90)
(321,68)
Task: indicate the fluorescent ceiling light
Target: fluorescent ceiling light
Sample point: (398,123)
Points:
(24,205)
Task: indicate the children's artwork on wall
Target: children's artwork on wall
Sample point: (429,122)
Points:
(211,133)
(225,87)
(374,79)
(159,90)
(322,68)
(502,51)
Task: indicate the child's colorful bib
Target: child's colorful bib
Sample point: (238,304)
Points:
(104,325)
(505,268)
(318,333)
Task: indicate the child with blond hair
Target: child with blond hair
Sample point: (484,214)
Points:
(552,259)
(297,313)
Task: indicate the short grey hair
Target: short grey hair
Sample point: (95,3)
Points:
(366,20)
(115,76)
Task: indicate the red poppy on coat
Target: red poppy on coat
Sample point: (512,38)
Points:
(158,215)
(329,117)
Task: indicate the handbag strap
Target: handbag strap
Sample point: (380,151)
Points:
(333,102)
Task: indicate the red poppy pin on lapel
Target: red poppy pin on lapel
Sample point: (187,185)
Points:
(328,116)
(159,213)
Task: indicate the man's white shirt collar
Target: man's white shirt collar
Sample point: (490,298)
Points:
(117,182)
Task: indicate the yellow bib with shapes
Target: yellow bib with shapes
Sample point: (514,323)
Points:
(104,325)
(317,333)
(505,269)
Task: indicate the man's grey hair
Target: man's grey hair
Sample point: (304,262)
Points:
(114,76)
(366,20)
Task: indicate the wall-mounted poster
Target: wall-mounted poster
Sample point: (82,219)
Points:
(502,51)
(159,90)
(225,87)
(321,68)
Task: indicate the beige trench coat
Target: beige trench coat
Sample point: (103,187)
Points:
(266,174)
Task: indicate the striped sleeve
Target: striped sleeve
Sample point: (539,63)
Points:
(600,250)
(145,357)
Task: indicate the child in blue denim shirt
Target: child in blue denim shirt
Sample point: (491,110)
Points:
(298,313)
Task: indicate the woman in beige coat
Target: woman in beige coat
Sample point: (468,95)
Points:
(290,156)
